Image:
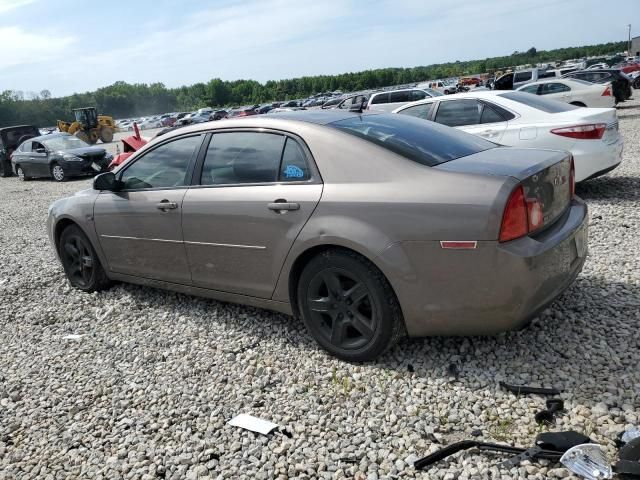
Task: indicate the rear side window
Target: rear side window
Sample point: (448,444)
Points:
(489,115)
(242,157)
(403,96)
(423,142)
(381,98)
(294,166)
(539,103)
(456,113)
(420,111)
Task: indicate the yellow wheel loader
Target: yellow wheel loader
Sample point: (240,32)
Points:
(89,126)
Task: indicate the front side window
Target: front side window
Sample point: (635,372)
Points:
(417,95)
(551,88)
(530,89)
(456,113)
(243,157)
(166,166)
(421,111)
(382,98)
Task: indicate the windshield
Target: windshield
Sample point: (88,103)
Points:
(421,141)
(64,142)
(539,103)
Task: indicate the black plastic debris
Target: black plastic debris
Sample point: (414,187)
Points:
(554,406)
(525,389)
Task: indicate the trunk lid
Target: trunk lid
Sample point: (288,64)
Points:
(543,174)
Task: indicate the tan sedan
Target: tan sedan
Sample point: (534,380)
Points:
(365,226)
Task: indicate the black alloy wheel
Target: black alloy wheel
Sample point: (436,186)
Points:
(80,261)
(348,306)
(341,306)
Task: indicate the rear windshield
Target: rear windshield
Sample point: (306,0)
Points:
(419,140)
(539,103)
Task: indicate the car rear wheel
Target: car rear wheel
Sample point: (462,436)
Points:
(58,174)
(80,261)
(348,306)
(21,174)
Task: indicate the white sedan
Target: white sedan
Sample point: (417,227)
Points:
(574,91)
(520,119)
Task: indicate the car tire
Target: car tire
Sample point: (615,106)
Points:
(21,175)
(58,173)
(80,261)
(348,306)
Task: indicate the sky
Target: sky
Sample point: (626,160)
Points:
(65,46)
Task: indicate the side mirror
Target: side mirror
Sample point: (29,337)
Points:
(107,181)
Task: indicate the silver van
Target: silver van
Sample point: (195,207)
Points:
(390,100)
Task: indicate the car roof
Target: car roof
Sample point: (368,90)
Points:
(273,120)
(51,135)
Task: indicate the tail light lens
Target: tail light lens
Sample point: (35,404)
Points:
(582,132)
(515,220)
(607,91)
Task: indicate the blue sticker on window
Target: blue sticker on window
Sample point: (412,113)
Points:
(292,171)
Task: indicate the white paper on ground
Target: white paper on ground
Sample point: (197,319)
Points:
(255,424)
(72,336)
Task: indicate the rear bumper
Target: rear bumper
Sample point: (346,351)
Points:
(595,157)
(494,288)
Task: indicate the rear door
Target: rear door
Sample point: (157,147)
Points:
(257,190)
(473,116)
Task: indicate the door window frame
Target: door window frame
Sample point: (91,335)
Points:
(314,179)
(189,176)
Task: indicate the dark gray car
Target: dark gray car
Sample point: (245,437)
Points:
(58,156)
(365,226)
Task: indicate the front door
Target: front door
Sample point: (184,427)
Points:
(257,192)
(140,226)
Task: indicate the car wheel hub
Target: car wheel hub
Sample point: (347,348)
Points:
(58,173)
(79,260)
(341,308)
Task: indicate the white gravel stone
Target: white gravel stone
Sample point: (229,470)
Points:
(147,391)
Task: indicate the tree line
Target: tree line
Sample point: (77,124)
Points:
(123,100)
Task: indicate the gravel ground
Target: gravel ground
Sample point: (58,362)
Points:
(148,389)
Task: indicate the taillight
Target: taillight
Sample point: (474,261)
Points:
(607,91)
(515,222)
(572,179)
(582,132)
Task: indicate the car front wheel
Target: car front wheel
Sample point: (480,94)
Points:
(80,261)
(348,306)
(58,173)
(21,174)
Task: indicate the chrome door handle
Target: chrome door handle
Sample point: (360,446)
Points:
(283,206)
(165,205)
